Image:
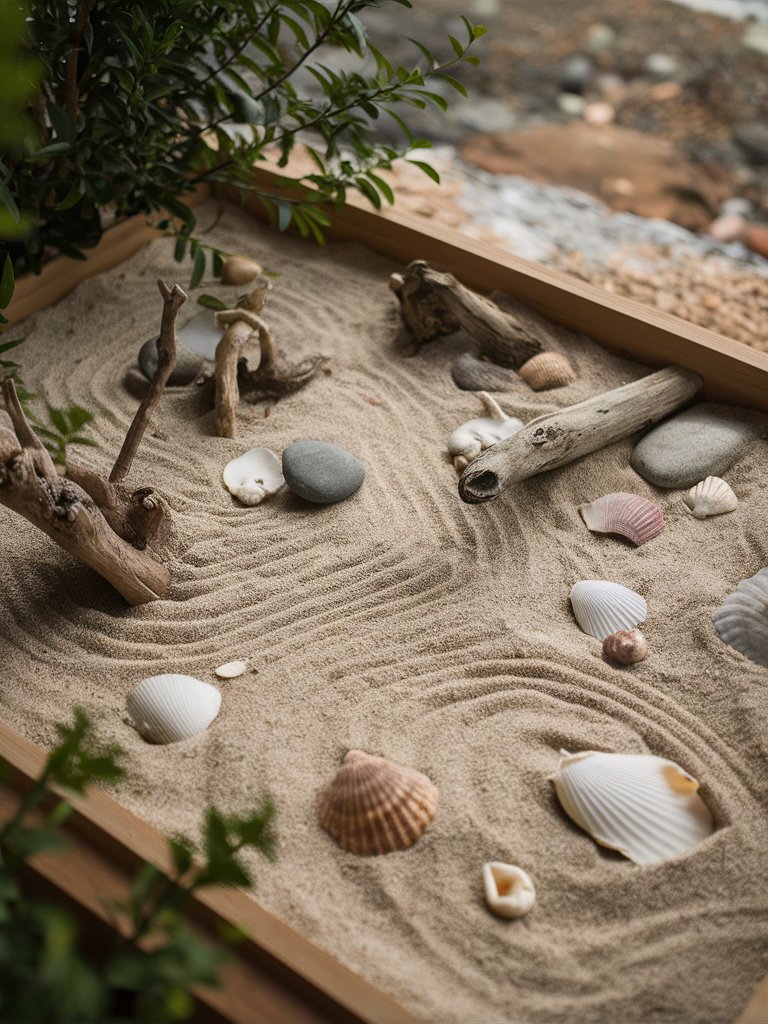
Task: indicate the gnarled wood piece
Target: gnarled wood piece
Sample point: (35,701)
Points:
(561,437)
(228,351)
(433,303)
(30,486)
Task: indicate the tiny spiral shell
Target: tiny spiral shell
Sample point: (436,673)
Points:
(547,370)
(626,646)
(374,806)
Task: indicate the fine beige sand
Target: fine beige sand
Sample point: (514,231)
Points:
(411,625)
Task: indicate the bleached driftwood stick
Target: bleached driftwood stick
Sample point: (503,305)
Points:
(561,437)
(101,522)
(433,303)
(238,331)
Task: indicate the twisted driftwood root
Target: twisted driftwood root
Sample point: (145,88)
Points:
(433,303)
(561,437)
(273,378)
(101,522)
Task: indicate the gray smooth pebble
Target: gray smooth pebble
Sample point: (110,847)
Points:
(699,442)
(188,364)
(320,472)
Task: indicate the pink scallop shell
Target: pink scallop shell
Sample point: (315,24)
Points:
(629,515)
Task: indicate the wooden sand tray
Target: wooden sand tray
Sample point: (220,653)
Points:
(276,975)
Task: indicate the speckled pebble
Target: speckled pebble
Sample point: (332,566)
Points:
(188,364)
(320,472)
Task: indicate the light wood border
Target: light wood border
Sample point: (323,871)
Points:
(278,975)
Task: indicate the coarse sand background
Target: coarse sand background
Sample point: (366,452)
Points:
(408,624)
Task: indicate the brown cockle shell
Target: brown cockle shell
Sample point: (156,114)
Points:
(374,806)
(626,647)
(629,515)
(547,370)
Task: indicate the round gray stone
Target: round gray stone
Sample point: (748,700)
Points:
(702,441)
(188,364)
(320,472)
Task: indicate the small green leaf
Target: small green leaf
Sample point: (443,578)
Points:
(9,203)
(6,282)
(54,149)
(198,269)
(180,248)
(429,171)
(211,302)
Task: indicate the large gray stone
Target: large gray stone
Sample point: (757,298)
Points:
(187,368)
(320,472)
(702,441)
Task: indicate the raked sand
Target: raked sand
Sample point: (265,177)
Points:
(411,625)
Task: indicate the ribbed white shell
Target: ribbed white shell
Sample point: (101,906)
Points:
(169,708)
(643,806)
(711,497)
(509,891)
(742,619)
(602,608)
(629,515)
(254,476)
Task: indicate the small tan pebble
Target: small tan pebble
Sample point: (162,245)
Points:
(372,401)
(755,237)
(240,270)
(728,227)
(599,114)
(266,412)
(626,647)
(231,670)
(665,91)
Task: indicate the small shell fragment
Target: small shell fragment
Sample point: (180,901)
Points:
(711,497)
(171,707)
(232,669)
(509,891)
(474,436)
(240,270)
(601,607)
(375,806)
(645,807)
(546,371)
(626,647)
(629,515)
(254,476)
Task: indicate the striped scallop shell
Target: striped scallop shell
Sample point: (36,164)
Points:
(629,515)
(375,806)
(547,370)
(602,608)
(742,619)
(169,708)
(711,497)
(643,806)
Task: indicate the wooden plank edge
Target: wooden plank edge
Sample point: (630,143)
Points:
(109,842)
(63,274)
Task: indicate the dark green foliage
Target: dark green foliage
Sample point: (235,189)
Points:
(65,428)
(140,101)
(145,975)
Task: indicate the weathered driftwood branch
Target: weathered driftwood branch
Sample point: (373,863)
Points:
(433,303)
(561,437)
(101,522)
(30,486)
(238,331)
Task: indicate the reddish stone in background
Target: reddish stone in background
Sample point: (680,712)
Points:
(755,237)
(665,183)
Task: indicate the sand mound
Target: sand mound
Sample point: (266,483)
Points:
(408,624)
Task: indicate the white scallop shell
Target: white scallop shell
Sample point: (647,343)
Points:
(643,806)
(474,436)
(711,497)
(742,619)
(509,891)
(169,708)
(254,476)
(231,670)
(602,607)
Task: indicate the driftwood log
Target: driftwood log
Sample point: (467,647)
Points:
(101,522)
(561,437)
(433,303)
(273,377)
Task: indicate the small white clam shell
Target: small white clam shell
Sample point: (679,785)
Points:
(742,619)
(232,669)
(645,807)
(169,708)
(201,334)
(254,476)
(710,497)
(509,891)
(474,436)
(602,607)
